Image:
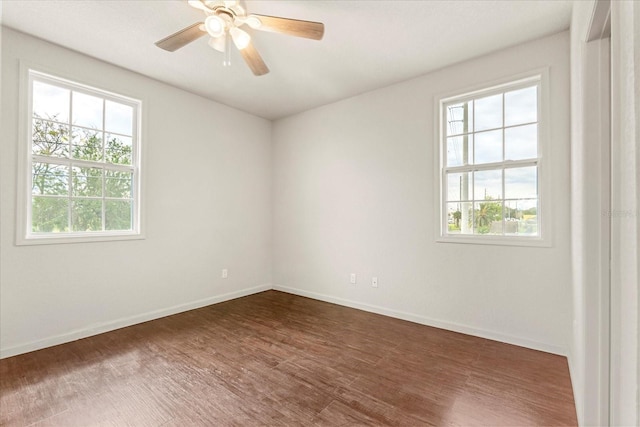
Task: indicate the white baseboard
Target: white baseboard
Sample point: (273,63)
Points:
(411,317)
(126,321)
(423,320)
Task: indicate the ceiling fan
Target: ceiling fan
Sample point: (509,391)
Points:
(223,23)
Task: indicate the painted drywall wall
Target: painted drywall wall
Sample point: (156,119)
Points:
(625,213)
(579,20)
(354,193)
(589,199)
(605,381)
(207,178)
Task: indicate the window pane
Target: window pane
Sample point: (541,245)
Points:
(460,218)
(86,144)
(487,185)
(48,179)
(521,217)
(50,102)
(458,185)
(488,147)
(521,183)
(454,216)
(87,111)
(459,150)
(86,215)
(118,150)
(521,106)
(488,112)
(521,142)
(459,118)
(82,159)
(118,215)
(118,118)
(118,184)
(49,138)
(490,162)
(487,218)
(49,214)
(87,182)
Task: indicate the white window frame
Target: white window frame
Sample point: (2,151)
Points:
(539,77)
(24,235)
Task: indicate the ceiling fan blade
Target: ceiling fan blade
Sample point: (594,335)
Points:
(183,37)
(292,27)
(198,5)
(254,60)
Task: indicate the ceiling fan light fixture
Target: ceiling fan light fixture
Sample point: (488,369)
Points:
(240,38)
(218,43)
(253,21)
(214,25)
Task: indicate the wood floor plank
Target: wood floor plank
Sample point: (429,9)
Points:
(280,360)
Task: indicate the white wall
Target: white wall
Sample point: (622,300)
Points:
(353,192)
(625,214)
(207,172)
(594,366)
(590,202)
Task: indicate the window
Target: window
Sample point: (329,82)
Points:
(82,174)
(490,164)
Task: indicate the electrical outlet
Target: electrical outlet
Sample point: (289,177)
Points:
(353,278)
(225,273)
(374,282)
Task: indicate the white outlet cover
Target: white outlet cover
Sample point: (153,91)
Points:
(353,278)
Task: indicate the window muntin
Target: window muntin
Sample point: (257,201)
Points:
(83,163)
(491,163)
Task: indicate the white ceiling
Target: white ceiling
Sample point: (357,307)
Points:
(367,44)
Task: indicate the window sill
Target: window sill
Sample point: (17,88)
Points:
(76,238)
(496,240)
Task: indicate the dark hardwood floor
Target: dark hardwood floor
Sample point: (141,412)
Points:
(278,359)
